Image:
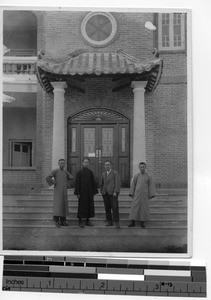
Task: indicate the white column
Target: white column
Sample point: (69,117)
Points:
(139,143)
(58,149)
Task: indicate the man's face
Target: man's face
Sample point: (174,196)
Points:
(86,163)
(62,164)
(107,166)
(142,168)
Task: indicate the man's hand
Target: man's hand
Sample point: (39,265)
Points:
(114,194)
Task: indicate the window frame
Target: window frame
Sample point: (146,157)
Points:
(172,48)
(109,39)
(11,151)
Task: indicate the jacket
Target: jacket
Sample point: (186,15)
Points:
(111,183)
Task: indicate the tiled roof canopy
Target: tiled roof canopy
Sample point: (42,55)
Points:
(84,63)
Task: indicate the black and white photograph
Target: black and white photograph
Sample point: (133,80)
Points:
(97,131)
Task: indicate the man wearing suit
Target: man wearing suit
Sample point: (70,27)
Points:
(110,188)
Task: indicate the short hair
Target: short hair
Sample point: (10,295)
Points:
(142,163)
(86,158)
(61,159)
(108,162)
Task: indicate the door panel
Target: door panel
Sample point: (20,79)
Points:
(99,142)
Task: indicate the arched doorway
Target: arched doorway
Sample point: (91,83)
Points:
(100,134)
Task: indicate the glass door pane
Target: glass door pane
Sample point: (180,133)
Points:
(107,142)
(89,142)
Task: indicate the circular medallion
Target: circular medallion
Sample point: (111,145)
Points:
(99,28)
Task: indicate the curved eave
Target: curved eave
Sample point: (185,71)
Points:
(98,63)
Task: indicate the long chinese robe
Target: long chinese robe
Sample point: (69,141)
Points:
(61,180)
(86,188)
(142,190)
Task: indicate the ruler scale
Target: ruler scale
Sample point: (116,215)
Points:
(103,276)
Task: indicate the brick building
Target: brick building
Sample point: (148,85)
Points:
(97,87)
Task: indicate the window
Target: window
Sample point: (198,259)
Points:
(89,142)
(21,154)
(171,31)
(99,28)
(107,142)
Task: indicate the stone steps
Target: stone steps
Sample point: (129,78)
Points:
(28,225)
(98,208)
(97,222)
(48,215)
(98,203)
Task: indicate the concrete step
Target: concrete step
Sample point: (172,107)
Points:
(101,215)
(98,203)
(72,196)
(98,209)
(122,191)
(106,239)
(40,221)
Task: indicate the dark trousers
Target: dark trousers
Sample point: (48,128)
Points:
(111,204)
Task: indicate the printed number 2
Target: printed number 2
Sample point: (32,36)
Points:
(102,285)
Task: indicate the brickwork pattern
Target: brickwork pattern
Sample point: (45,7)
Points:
(64,34)
(170,135)
(22,179)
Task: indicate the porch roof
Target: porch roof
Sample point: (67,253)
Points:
(83,62)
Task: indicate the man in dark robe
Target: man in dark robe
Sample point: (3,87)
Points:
(85,189)
(60,178)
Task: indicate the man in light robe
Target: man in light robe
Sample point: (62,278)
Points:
(85,189)
(60,178)
(142,190)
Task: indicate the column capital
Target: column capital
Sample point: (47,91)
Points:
(138,85)
(59,85)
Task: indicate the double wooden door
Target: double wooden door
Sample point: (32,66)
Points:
(99,141)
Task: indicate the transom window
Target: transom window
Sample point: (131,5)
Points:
(171,31)
(99,28)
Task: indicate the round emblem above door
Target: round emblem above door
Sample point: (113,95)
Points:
(99,28)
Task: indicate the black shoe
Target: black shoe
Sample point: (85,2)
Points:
(64,223)
(132,224)
(88,223)
(142,225)
(109,223)
(58,224)
(81,225)
(117,225)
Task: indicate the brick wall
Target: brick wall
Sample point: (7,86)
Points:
(20,178)
(170,135)
(63,34)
